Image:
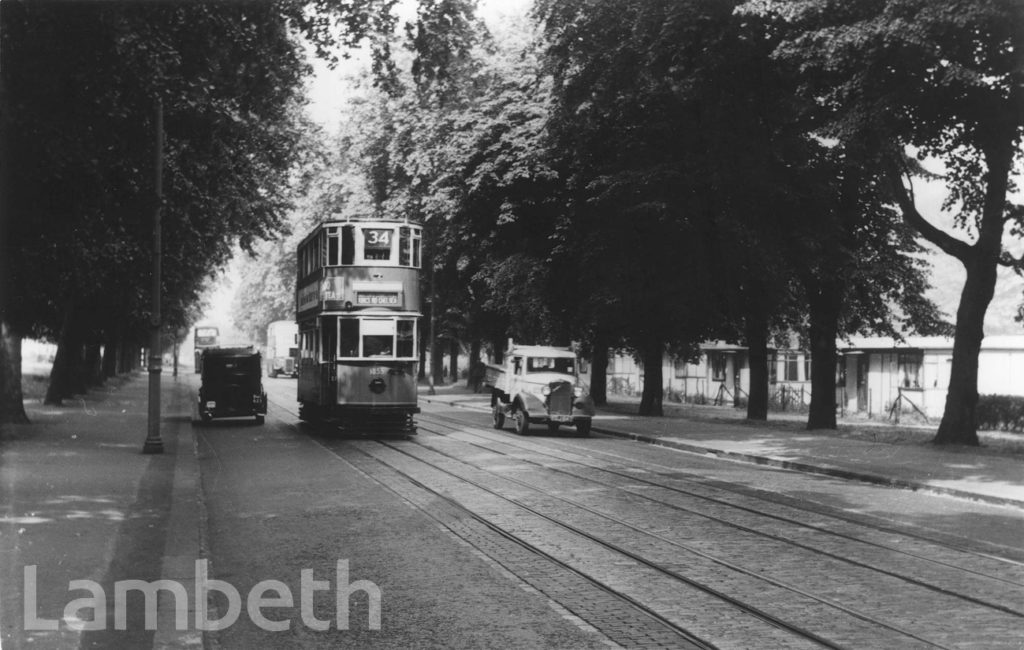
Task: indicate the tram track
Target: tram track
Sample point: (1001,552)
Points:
(903,638)
(406,465)
(696,639)
(995,560)
(793,590)
(954,573)
(622,620)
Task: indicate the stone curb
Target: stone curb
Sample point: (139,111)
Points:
(807,468)
(185,545)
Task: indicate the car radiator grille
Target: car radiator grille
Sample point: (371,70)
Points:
(560,399)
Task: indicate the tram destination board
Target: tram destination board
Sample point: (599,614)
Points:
(376,298)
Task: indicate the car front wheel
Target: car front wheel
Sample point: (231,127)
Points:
(522,422)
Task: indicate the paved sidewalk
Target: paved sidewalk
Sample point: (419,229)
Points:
(80,501)
(865,451)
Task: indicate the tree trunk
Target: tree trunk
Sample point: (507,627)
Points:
(174,351)
(453,363)
(475,376)
(78,371)
(12,400)
(599,372)
(124,354)
(757,347)
(824,327)
(93,365)
(60,372)
(110,348)
(654,390)
(959,424)
(437,362)
(498,345)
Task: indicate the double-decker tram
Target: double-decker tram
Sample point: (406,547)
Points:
(358,309)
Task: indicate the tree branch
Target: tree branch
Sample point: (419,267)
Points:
(946,242)
(1008,260)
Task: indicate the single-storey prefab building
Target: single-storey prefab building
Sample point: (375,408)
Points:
(872,374)
(875,373)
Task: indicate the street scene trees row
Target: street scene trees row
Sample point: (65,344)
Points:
(633,175)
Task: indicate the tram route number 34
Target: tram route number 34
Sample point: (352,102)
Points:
(377,238)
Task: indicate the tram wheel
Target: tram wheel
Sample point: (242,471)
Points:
(522,422)
(498,416)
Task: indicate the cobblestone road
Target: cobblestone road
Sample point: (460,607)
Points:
(653,553)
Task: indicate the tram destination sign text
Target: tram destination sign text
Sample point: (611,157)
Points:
(376,298)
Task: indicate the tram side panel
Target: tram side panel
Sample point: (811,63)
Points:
(390,385)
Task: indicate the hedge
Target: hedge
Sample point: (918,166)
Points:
(1000,413)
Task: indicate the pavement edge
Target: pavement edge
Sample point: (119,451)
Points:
(807,468)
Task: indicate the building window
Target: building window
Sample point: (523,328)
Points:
(679,368)
(909,369)
(791,367)
(807,367)
(717,360)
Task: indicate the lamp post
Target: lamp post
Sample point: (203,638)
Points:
(154,444)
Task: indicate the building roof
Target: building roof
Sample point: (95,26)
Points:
(542,351)
(1008,342)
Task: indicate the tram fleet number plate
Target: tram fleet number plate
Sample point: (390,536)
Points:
(365,298)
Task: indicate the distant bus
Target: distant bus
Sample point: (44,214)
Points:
(282,356)
(205,337)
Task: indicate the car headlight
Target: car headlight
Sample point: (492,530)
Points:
(577,391)
(545,391)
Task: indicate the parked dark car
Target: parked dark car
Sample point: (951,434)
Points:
(232,385)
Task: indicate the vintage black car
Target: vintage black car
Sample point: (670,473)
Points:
(232,385)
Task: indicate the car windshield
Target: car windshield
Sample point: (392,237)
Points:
(551,364)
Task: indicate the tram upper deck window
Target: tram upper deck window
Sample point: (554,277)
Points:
(341,245)
(377,243)
(409,246)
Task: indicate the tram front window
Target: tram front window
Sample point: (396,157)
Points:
(406,338)
(377,346)
(378,338)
